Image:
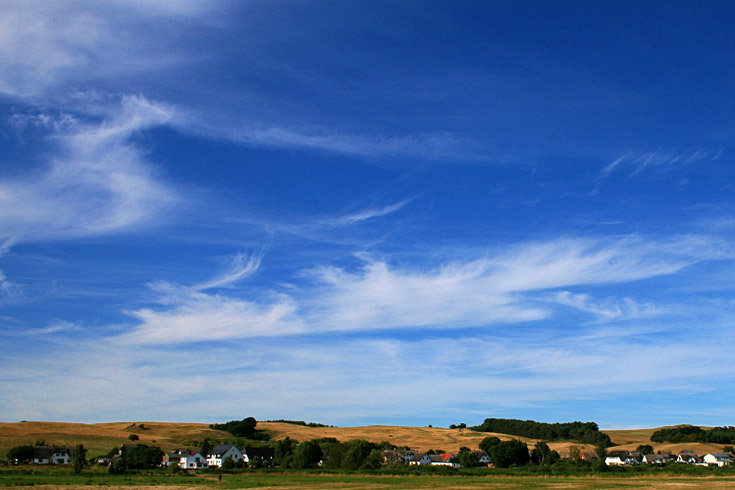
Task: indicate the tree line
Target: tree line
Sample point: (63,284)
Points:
(584,432)
(691,433)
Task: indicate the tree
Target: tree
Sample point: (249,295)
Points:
(228,463)
(284,451)
(133,437)
(21,454)
(78,458)
(467,458)
(238,428)
(543,455)
(574,453)
(374,460)
(645,449)
(599,463)
(356,454)
(307,455)
(509,453)
(206,446)
(142,457)
(487,443)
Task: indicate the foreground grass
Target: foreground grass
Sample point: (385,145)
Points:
(61,477)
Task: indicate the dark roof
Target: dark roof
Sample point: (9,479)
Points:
(45,452)
(259,452)
(220,450)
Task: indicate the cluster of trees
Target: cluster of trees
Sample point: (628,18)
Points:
(585,432)
(357,454)
(690,433)
(299,422)
(504,454)
(137,458)
(21,454)
(242,428)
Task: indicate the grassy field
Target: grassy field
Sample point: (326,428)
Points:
(93,479)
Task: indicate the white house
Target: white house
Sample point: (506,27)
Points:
(620,459)
(51,455)
(718,459)
(193,461)
(443,460)
(658,458)
(218,455)
(688,457)
(420,458)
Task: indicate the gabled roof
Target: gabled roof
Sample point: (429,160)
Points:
(46,452)
(220,450)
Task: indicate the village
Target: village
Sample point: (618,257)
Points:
(230,456)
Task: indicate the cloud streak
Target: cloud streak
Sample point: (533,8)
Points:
(639,162)
(100,182)
(505,288)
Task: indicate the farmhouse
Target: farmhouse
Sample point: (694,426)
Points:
(718,459)
(219,454)
(620,458)
(51,455)
(658,458)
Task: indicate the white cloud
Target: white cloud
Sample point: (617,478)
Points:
(99,181)
(642,161)
(338,381)
(45,47)
(366,214)
(608,310)
(506,288)
(241,267)
(193,316)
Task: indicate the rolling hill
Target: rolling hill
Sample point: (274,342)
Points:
(100,438)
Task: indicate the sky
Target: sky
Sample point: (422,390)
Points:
(367,212)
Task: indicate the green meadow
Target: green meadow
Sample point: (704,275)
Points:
(59,477)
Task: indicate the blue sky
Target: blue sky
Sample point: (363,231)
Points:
(367,212)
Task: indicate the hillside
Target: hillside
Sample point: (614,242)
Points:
(100,438)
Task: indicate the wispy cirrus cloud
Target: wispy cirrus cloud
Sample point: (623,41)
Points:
(98,181)
(241,267)
(638,162)
(506,287)
(428,145)
(365,214)
(45,47)
(607,310)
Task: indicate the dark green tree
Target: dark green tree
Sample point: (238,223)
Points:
(357,452)
(206,446)
(645,449)
(142,457)
(78,458)
(509,453)
(467,458)
(284,451)
(307,454)
(543,455)
(22,454)
(487,443)
(374,460)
